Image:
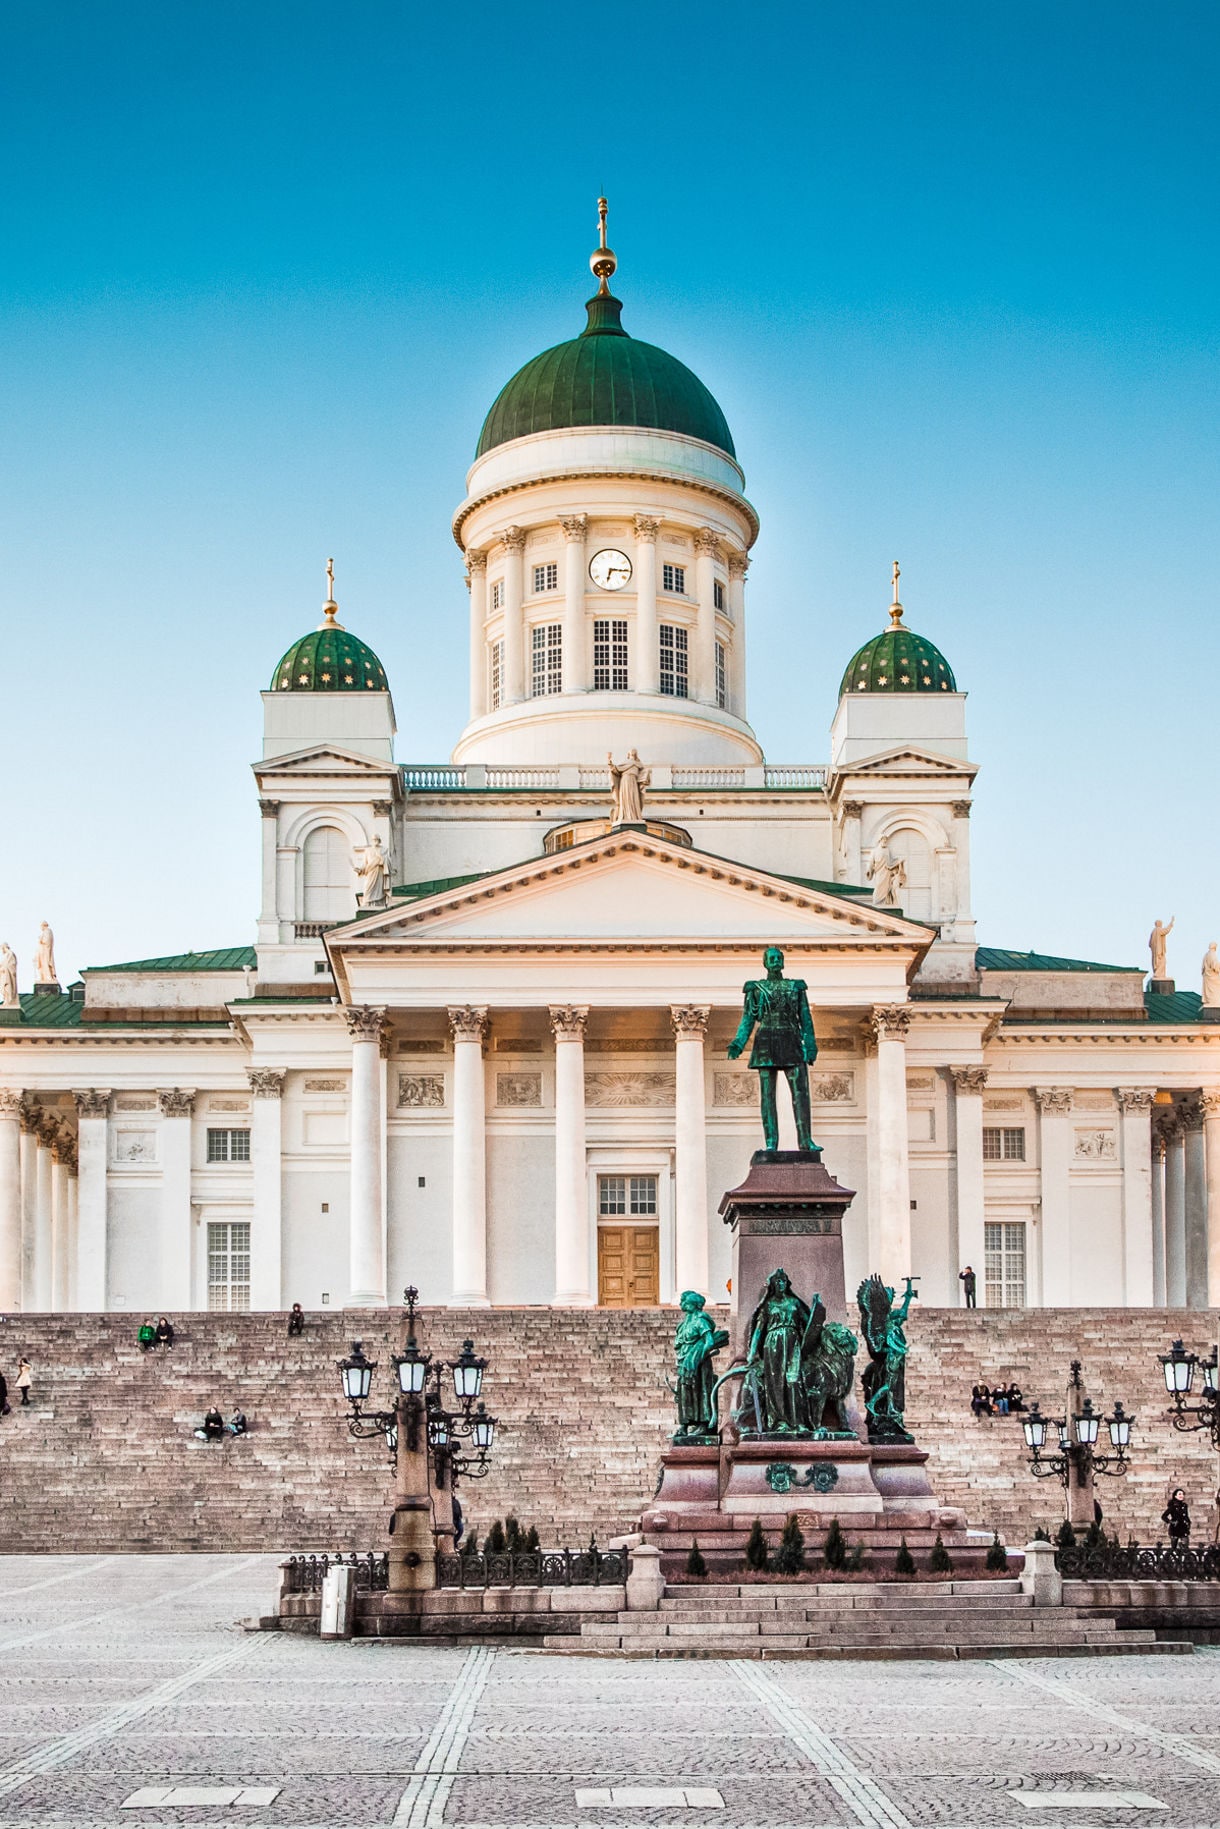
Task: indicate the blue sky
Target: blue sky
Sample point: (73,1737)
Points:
(949,269)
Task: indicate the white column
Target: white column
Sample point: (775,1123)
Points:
(703,685)
(177,1106)
(269,918)
(10,1199)
(690,1148)
(1196,1209)
(59,1227)
(48,1131)
(572,1275)
(968,1087)
(367,1280)
(576,676)
(468,1026)
(29,1201)
(514,627)
(1135,1107)
(1055,1155)
(1158,1216)
(93,1215)
(853,864)
(890,1024)
(73,1236)
(1175,1211)
(739,564)
(267,1164)
(476,580)
(961,846)
(1209,1098)
(645,673)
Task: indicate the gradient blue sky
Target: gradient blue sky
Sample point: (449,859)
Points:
(951,270)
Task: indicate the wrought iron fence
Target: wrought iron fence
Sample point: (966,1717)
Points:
(1112,1561)
(591,1568)
(305,1574)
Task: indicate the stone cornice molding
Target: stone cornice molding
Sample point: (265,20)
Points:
(575,526)
(266,1082)
(365,1022)
(1134,1098)
(176,1101)
(707,540)
(1112,1035)
(468,1022)
(969,1079)
(513,539)
(699,485)
(10,1103)
(647,527)
(568,1021)
(1053,1101)
(92,1103)
(689,1019)
(890,1021)
(476,559)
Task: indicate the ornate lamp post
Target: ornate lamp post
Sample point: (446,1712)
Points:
(431,1445)
(1076,1461)
(1180,1368)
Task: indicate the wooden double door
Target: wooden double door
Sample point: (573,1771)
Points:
(628,1266)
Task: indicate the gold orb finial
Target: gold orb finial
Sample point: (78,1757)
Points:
(330,609)
(603,261)
(895,606)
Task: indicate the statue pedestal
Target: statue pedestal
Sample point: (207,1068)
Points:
(1162,987)
(788,1212)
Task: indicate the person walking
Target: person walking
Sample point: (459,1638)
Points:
(25,1379)
(1177,1516)
(969,1283)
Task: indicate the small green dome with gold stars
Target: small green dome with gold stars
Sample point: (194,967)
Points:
(329,659)
(898,660)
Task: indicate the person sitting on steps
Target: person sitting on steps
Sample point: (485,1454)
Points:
(237,1424)
(147,1336)
(213,1427)
(296,1320)
(164,1335)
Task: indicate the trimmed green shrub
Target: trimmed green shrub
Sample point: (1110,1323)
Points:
(1041,1535)
(695,1564)
(495,1543)
(790,1556)
(756,1549)
(835,1547)
(856,1559)
(530,1542)
(1066,1537)
(940,1561)
(997,1555)
(512,1534)
(904,1562)
(470,1544)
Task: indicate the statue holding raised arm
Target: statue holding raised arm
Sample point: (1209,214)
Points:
(884,1379)
(777,1013)
(695,1344)
(1158,947)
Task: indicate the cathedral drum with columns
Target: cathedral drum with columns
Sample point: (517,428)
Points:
(481,1041)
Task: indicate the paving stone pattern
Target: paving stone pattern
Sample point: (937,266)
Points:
(583,1409)
(127,1689)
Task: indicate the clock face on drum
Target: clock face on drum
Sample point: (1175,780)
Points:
(610,569)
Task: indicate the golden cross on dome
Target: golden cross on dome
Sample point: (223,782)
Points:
(603,260)
(330,609)
(895,606)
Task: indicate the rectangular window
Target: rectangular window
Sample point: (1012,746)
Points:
(547,656)
(1006,1145)
(673,580)
(721,688)
(609,655)
(1004,1263)
(627,1194)
(496,694)
(718,594)
(497,594)
(229,1266)
(228,1146)
(546,577)
(673,661)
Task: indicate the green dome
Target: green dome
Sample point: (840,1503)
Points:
(898,660)
(605,377)
(329,659)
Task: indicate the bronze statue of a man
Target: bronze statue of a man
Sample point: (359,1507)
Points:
(777,1009)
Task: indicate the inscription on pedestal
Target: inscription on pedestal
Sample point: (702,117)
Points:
(797,1225)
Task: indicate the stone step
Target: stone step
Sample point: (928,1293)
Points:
(845,1600)
(796,1647)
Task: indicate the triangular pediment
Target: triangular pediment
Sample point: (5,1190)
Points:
(323,758)
(909,759)
(631,889)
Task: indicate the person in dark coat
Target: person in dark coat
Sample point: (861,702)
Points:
(296,1320)
(164,1335)
(237,1424)
(969,1283)
(4,1402)
(213,1427)
(1177,1516)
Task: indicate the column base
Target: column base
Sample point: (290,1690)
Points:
(472,1300)
(583,1300)
(366,1298)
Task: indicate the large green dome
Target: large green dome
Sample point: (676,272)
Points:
(604,377)
(898,660)
(329,659)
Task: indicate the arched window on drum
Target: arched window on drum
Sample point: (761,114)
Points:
(330,884)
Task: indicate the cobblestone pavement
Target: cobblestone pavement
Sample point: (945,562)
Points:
(127,1680)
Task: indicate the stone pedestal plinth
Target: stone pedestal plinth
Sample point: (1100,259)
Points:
(787,1213)
(775,1475)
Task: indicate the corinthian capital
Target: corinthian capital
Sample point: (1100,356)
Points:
(365,1022)
(689,1018)
(707,540)
(10,1103)
(94,1103)
(647,527)
(514,539)
(1209,1098)
(266,1082)
(890,1021)
(1054,1101)
(568,1021)
(739,564)
(476,561)
(969,1079)
(176,1102)
(1139,1098)
(575,526)
(961,809)
(468,1022)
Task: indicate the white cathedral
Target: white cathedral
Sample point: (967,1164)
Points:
(479,1043)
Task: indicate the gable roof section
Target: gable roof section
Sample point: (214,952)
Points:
(908,758)
(219,959)
(997,959)
(314,760)
(1176,1006)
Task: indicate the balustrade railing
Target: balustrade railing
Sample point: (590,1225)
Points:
(443,777)
(591,1568)
(811,777)
(1139,1562)
(522,777)
(305,1574)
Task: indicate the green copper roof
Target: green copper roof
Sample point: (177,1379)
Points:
(1173,1006)
(898,660)
(997,959)
(219,959)
(604,377)
(329,659)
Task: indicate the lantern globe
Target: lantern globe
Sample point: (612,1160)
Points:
(468,1373)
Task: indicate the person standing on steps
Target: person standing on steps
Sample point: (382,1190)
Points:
(25,1379)
(5,1406)
(1177,1516)
(969,1283)
(296,1320)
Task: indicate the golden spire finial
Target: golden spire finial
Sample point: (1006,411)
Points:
(330,609)
(603,260)
(895,606)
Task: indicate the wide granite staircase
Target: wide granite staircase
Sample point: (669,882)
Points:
(951,1619)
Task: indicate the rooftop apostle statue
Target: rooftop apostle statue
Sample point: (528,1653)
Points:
(1158,947)
(777,1010)
(627,785)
